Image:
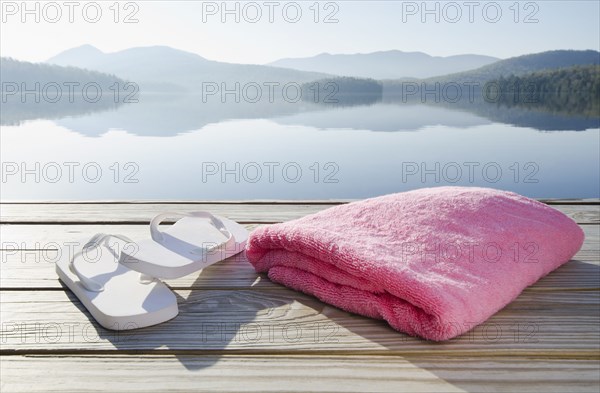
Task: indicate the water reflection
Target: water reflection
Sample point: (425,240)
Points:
(173,114)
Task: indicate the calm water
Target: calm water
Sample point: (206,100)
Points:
(179,148)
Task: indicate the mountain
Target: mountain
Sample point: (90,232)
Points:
(525,64)
(82,56)
(572,90)
(53,85)
(162,68)
(392,64)
(12,70)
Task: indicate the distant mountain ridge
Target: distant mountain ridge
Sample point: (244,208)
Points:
(17,71)
(525,64)
(163,67)
(181,112)
(59,91)
(393,64)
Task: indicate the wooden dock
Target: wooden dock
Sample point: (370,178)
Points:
(238,331)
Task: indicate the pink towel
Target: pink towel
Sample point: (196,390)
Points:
(432,262)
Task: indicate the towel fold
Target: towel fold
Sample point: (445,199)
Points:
(433,262)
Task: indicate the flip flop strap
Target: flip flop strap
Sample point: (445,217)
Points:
(95,242)
(159,237)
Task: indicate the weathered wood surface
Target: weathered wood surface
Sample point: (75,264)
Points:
(239,331)
(537,323)
(142,213)
(28,254)
(292,373)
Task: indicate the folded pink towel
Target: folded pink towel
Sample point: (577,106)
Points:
(432,262)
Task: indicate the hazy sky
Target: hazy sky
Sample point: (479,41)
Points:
(362,26)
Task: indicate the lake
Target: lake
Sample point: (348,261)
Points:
(180,148)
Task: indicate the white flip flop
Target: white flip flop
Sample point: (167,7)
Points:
(116,296)
(195,241)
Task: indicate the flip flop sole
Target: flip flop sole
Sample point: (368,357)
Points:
(126,302)
(173,259)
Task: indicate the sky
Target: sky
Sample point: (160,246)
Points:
(269,30)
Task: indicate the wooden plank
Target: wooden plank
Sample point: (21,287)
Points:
(234,202)
(570,201)
(563,324)
(185,373)
(35,269)
(142,213)
(549,201)
(54,236)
